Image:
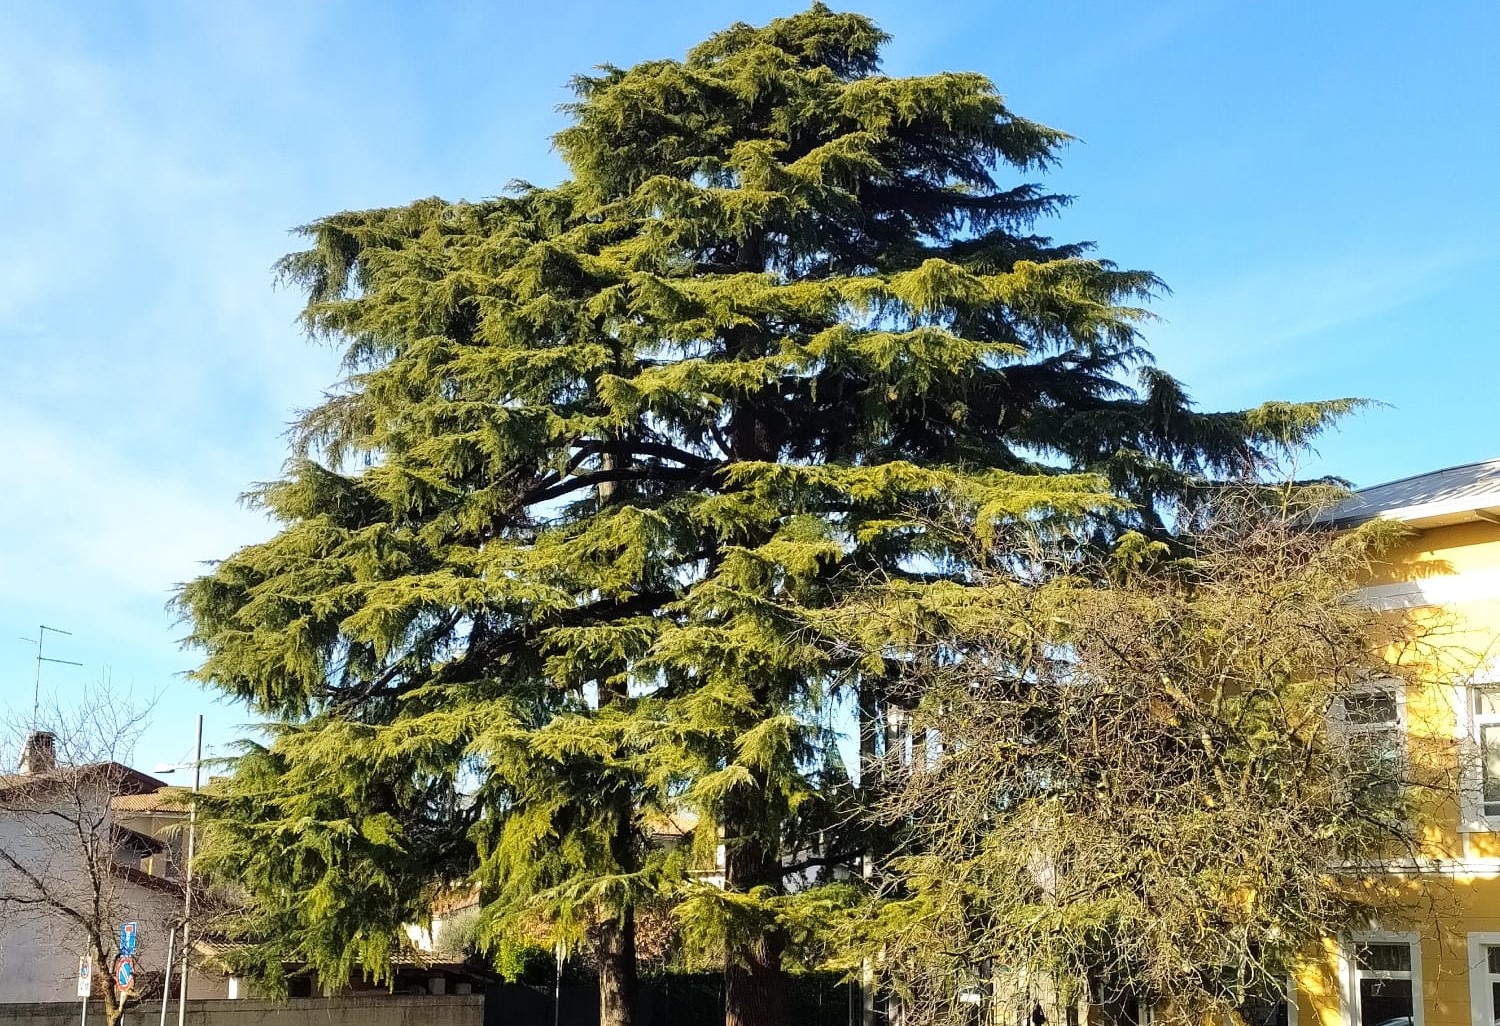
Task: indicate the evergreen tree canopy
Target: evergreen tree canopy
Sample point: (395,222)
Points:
(552,554)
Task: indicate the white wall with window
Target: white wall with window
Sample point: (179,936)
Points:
(1381,980)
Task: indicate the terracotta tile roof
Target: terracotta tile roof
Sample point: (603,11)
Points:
(169,801)
(220,952)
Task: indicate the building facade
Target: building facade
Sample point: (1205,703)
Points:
(1439,963)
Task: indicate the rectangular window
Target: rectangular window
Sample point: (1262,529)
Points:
(1373,719)
(1493,989)
(1376,707)
(1384,986)
(1485,707)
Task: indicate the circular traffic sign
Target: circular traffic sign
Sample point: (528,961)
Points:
(125,973)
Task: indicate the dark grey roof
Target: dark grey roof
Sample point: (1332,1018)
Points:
(1452,490)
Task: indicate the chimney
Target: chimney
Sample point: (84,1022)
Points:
(40,753)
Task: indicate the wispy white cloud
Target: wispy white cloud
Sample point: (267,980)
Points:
(1239,327)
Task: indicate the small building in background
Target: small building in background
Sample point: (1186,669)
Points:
(86,848)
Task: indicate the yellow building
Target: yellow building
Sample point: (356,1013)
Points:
(1440,966)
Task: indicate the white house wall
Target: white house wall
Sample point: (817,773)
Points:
(39,954)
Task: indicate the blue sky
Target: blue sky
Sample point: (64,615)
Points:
(1316,182)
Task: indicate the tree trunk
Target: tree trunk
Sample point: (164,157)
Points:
(615,934)
(615,946)
(755,985)
(870,752)
(755,988)
(114,1006)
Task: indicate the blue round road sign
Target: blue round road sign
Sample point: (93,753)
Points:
(125,974)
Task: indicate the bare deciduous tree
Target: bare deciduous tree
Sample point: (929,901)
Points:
(1155,778)
(70,875)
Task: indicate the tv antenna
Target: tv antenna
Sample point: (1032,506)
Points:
(41,636)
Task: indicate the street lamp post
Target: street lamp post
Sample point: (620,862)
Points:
(187,876)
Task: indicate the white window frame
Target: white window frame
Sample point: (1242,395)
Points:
(1472,817)
(1350,973)
(1396,687)
(1481,1012)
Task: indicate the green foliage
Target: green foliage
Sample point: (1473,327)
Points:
(520,962)
(556,554)
(457,937)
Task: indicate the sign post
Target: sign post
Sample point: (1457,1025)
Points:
(166,981)
(85,985)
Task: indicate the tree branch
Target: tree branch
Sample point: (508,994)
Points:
(582,481)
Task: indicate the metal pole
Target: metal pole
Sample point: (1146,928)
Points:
(187,879)
(36,700)
(166,983)
(86,960)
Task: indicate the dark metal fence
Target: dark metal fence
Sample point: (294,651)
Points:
(817,999)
